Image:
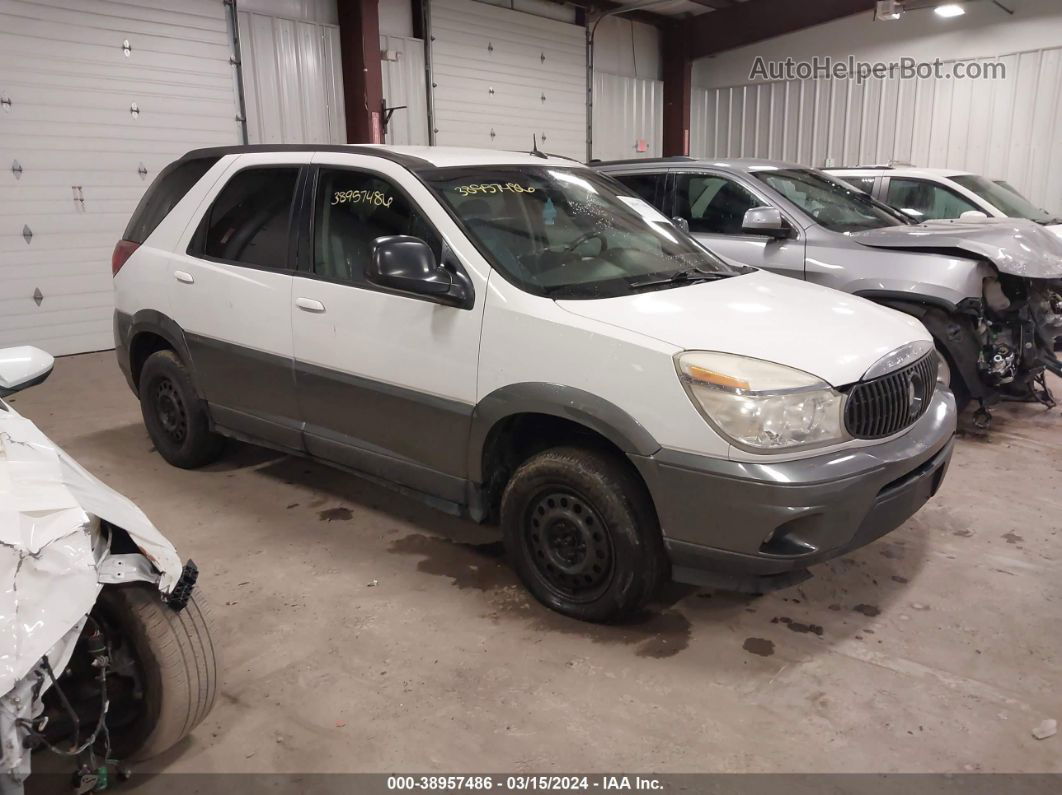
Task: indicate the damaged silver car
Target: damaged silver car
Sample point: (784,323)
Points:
(989,291)
(105,644)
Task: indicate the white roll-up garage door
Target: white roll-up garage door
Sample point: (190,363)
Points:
(96,96)
(501,75)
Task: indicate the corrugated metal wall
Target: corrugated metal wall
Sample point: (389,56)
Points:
(404,84)
(1006,129)
(627,110)
(502,76)
(89,123)
(292,80)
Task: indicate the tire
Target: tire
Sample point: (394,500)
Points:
(176,419)
(175,657)
(603,557)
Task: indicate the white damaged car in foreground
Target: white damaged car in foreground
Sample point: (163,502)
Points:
(105,649)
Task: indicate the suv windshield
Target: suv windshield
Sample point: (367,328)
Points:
(1006,201)
(570,233)
(831,204)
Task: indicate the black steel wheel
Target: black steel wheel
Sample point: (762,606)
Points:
(581,531)
(569,544)
(173,417)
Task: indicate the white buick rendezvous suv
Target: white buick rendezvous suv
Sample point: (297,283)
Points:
(516,338)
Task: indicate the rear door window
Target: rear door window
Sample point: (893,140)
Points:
(649,186)
(865,184)
(168,188)
(249,222)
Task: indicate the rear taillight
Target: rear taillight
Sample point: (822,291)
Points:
(122,252)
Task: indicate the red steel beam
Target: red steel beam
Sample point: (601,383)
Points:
(359,40)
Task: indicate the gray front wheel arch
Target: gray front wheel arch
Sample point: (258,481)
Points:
(556,400)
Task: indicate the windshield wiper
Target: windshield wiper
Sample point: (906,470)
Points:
(686,276)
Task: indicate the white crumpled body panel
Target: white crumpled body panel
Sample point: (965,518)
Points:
(50,509)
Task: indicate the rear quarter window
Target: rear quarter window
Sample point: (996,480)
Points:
(168,188)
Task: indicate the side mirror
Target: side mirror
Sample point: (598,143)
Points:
(681,223)
(23,367)
(408,264)
(765,221)
(973,215)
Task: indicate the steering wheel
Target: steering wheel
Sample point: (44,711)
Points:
(599,234)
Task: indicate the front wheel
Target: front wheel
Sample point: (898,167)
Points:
(166,675)
(581,532)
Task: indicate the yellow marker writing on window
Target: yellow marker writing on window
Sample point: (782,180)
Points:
(373,197)
(492,187)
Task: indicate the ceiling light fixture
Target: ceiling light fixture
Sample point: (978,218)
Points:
(887,10)
(949,10)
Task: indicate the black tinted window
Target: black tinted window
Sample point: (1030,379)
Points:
(649,186)
(250,219)
(162,195)
(865,184)
(353,209)
(925,200)
(712,204)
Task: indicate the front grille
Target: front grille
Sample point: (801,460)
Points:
(888,404)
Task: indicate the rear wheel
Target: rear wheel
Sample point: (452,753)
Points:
(175,417)
(581,532)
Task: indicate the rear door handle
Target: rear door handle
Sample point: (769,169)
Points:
(309,305)
(184,277)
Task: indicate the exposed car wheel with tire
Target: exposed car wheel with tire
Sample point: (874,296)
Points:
(165,676)
(581,532)
(176,418)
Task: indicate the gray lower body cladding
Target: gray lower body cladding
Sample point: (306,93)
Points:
(717,515)
(742,518)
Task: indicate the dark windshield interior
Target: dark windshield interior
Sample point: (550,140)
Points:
(567,232)
(831,204)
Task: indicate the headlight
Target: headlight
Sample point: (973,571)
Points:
(762,406)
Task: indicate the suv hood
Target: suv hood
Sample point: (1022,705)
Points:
(1014,245)
(827,333)
(50,508)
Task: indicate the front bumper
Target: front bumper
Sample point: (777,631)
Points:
(735,518)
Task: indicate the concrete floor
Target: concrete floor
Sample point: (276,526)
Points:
(362,631)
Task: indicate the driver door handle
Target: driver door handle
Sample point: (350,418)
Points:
(309,305)
(184,277)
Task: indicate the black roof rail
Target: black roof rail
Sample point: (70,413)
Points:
(408,161)
(650,160)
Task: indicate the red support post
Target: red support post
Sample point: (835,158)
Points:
(678,88)
(359,36)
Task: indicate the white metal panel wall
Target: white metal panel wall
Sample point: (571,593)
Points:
(292,80)
(86,125)
(404,84)
(1005,129)
(502,75)
(627,110)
